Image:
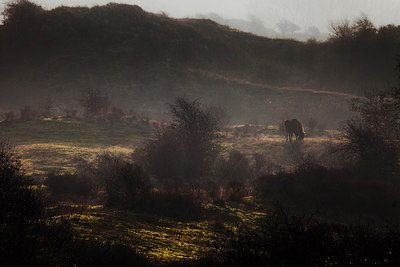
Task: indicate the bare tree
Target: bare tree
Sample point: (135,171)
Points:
(342,30)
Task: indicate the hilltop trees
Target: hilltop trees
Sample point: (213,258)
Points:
(362,28)
(20,12)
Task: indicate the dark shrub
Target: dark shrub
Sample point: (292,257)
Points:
(115,115)
(70,185)
(184,206)
(186,148)
(235,167)
(370,149)
(336,193)
(284,239)
(92,253)
(95,103)
(27,236)
(234,171)
(372,137)
(123,182)
(46,106)
(27,114)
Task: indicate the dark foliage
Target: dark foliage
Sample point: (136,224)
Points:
(284,239)
(115,115)
(20,13)
(234,172)
(182,205)
(126,39)
(349,193)
(46,106)
(92,253)
(372,137)
(122,183)
(27,236)
(187,148)
(95,103)
(27,114)
(70,185)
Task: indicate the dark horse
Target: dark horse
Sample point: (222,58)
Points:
(294,127)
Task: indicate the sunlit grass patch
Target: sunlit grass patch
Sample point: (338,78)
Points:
(161,239)
(39,159)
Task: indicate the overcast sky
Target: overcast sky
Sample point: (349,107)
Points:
(305,13)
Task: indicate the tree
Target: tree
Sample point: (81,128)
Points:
(341,31)
(186,148)
(363,28)
(373,136)
(20,12)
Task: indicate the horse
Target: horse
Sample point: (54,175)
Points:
(295,127)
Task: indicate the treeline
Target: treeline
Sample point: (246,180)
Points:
(124,39)
(94,106)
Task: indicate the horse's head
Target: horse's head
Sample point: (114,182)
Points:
(301,135)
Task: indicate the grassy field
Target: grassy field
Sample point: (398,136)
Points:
(55,145)
(162,239)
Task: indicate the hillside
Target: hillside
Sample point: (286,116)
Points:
(143,60)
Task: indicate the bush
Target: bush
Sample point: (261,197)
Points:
(123,182)
(92,253)
(95,104)
(235,172)
(333,193)
(371,138)
(235,167)
(182,205)
(70,185)
(27,114)
(186,148)
(115,115)
(27,236)
(370,149)
(285,239)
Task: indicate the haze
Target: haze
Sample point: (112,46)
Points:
(305,14)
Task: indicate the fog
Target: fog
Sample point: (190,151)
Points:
(305,14)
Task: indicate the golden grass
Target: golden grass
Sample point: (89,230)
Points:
(39,159)
(161,239)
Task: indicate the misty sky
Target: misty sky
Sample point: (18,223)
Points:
(305,13)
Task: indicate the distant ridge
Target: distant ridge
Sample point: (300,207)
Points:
(144,59)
